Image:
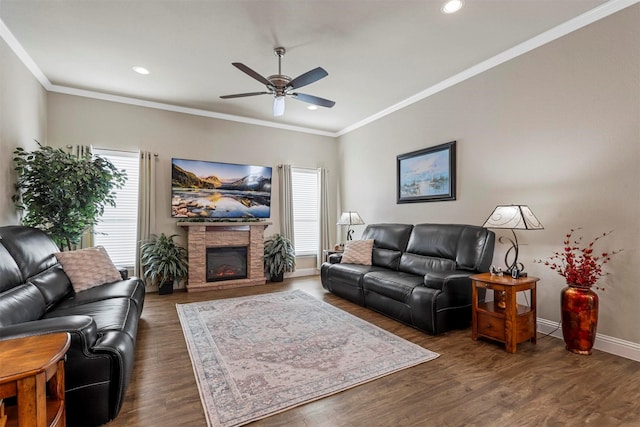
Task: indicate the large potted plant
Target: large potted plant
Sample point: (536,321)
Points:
(279,257)
(62,194)
(163,262)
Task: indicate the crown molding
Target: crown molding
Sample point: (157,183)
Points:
(548,36)
(561,30)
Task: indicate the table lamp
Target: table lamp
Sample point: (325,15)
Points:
(513,217)
(350,218)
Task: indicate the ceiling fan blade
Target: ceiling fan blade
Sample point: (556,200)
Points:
(242,95)
(307,78)
(252,73)
(313,100)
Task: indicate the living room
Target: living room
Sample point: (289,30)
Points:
(556,128)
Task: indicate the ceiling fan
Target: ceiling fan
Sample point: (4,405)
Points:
(280,85)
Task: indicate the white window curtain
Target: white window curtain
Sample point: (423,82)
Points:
(146,202)
(286,202)
(325,233)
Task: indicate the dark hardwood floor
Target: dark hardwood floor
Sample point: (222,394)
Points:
(470,384)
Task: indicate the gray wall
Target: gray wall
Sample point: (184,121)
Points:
(557,129)
(22,121)
(105,124)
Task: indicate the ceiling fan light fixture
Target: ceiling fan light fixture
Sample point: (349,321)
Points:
(278,106)
(452,6)
(312,107)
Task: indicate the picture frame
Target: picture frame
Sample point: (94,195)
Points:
(427,175)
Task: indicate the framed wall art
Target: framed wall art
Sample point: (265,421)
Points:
(427,175)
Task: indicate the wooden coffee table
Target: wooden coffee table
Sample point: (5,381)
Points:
(29,367)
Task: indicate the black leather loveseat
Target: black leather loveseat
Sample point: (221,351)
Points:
(36,297)
(419,274)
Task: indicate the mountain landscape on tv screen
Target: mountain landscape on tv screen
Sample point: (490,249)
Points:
(219,190)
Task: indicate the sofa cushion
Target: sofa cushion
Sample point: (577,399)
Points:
(131,288)
(435,240)
(88,267)
(116,314)
(421,265)
(23,303)
(475,248)
(396,285)
(10,275)
(53,284)
(388,236)
(389,242)
(358,252)
(31,249)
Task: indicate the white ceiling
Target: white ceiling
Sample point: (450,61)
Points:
(380,54)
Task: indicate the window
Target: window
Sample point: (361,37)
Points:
(117,228)
(306,211)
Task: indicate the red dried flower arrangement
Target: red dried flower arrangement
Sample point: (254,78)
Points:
(579,265)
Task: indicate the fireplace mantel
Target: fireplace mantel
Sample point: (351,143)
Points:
(203,235)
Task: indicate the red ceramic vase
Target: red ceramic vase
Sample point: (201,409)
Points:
(579,318)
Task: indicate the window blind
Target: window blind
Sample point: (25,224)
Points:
(305,210)
(117,228)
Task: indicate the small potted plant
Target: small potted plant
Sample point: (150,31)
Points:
(163,262)
(279,257)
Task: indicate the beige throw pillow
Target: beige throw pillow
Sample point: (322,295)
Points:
(88,267)
(358,252)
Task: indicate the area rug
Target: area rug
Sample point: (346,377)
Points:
(259,355)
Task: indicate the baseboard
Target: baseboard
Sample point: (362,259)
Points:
(302,272)
(622,348)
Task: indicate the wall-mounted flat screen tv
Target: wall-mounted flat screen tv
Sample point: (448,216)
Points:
(203,189)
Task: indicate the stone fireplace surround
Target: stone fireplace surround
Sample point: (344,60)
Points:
(201,235)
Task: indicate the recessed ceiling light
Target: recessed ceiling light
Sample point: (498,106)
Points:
(452,6)
(141,70)
(312,107)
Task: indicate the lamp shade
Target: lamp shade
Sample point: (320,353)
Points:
(514,217)
(350,218)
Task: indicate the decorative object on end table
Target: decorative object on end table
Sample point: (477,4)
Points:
(164,261)
(581,268)
(513,217)
(427,175)
(63,208)
(279,257)
(350,218)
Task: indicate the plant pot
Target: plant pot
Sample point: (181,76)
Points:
(278,277)
(579,318)
(165,288)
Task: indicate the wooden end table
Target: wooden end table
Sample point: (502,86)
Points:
(512,324)
(29,367)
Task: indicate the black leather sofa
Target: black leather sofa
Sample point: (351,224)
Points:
(36,297)
(419,274)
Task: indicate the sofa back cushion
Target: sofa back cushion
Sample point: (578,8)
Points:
(54,285)
(10,275)
(31,249)
(421,265)
(23,303)
(457,246)
(390,240)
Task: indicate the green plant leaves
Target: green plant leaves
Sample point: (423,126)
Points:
(62,194)
(279,255)
(163,259)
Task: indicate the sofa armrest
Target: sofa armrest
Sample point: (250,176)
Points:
(83,330)
(456,284)
(335,258)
